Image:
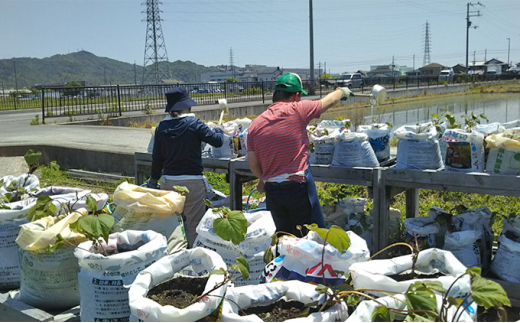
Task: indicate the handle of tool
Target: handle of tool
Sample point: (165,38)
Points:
(221,116)
(363,94)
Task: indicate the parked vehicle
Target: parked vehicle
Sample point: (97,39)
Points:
(350,80)
(446,75)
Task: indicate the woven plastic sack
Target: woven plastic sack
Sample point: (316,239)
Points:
(104,281)
(229,148)
(353,149)
(194,262)
(260,228)
(478,219)
(301,259)
(465,151)
(365,309)
(508,252)
(379,138)
(265,294)
(504,154)
(49,280)
(418,147)
(140,208)
(377,274)
(10,221)
(463,245)
(27,181)
(323,149)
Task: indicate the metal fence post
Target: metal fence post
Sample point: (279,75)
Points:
(263,93)
(43,106)
(119,100)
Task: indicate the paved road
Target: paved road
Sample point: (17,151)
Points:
(16,129)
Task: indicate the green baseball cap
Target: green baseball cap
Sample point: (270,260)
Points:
(289,82)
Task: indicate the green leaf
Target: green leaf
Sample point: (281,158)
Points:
(435,115)
(53,165)
(321,289)
(474,271)
(353,299)
(41,209)
(243,267)
(268,255)
(382,314)
(516,157)
(91,203)
(453,301)
(59,241)
(487,293)
(181,189)
(233,228)
(434,285)
(345,287)
(94,227)
(32,158)
(207,202)
(336,236)
(418,297)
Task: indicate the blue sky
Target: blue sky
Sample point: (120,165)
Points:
(348,34)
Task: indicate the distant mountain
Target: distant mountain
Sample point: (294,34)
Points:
(86,67)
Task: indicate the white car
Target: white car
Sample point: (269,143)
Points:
(349,80)
(446,75)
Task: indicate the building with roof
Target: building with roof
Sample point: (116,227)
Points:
(256,73)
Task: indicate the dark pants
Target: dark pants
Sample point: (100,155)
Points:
(289,205)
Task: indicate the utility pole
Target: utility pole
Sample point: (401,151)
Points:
(508,48)
(468,24)
(231,64)
(311,37)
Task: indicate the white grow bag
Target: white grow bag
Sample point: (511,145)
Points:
(193,262)
(507,256)
(266,294)
(417,149)
(104,280)
(10,221)
(141,208)
(49,280)
(260,228)
(365,309)
(301,259)
(374,274)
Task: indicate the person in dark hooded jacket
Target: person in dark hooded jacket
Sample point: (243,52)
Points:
(177,155)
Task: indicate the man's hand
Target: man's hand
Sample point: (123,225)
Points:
(260,186)
(152,183)
(346,93)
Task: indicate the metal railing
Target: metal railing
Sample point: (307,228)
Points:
(113,101)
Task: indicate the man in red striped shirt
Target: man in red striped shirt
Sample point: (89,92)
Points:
(277,151)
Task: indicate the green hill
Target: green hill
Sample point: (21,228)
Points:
(86,67)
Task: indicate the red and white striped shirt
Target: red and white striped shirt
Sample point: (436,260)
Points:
(279,137)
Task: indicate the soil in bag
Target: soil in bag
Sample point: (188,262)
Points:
(278,311)
(179,292)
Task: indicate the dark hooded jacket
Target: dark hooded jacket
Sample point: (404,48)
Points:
(178,146)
